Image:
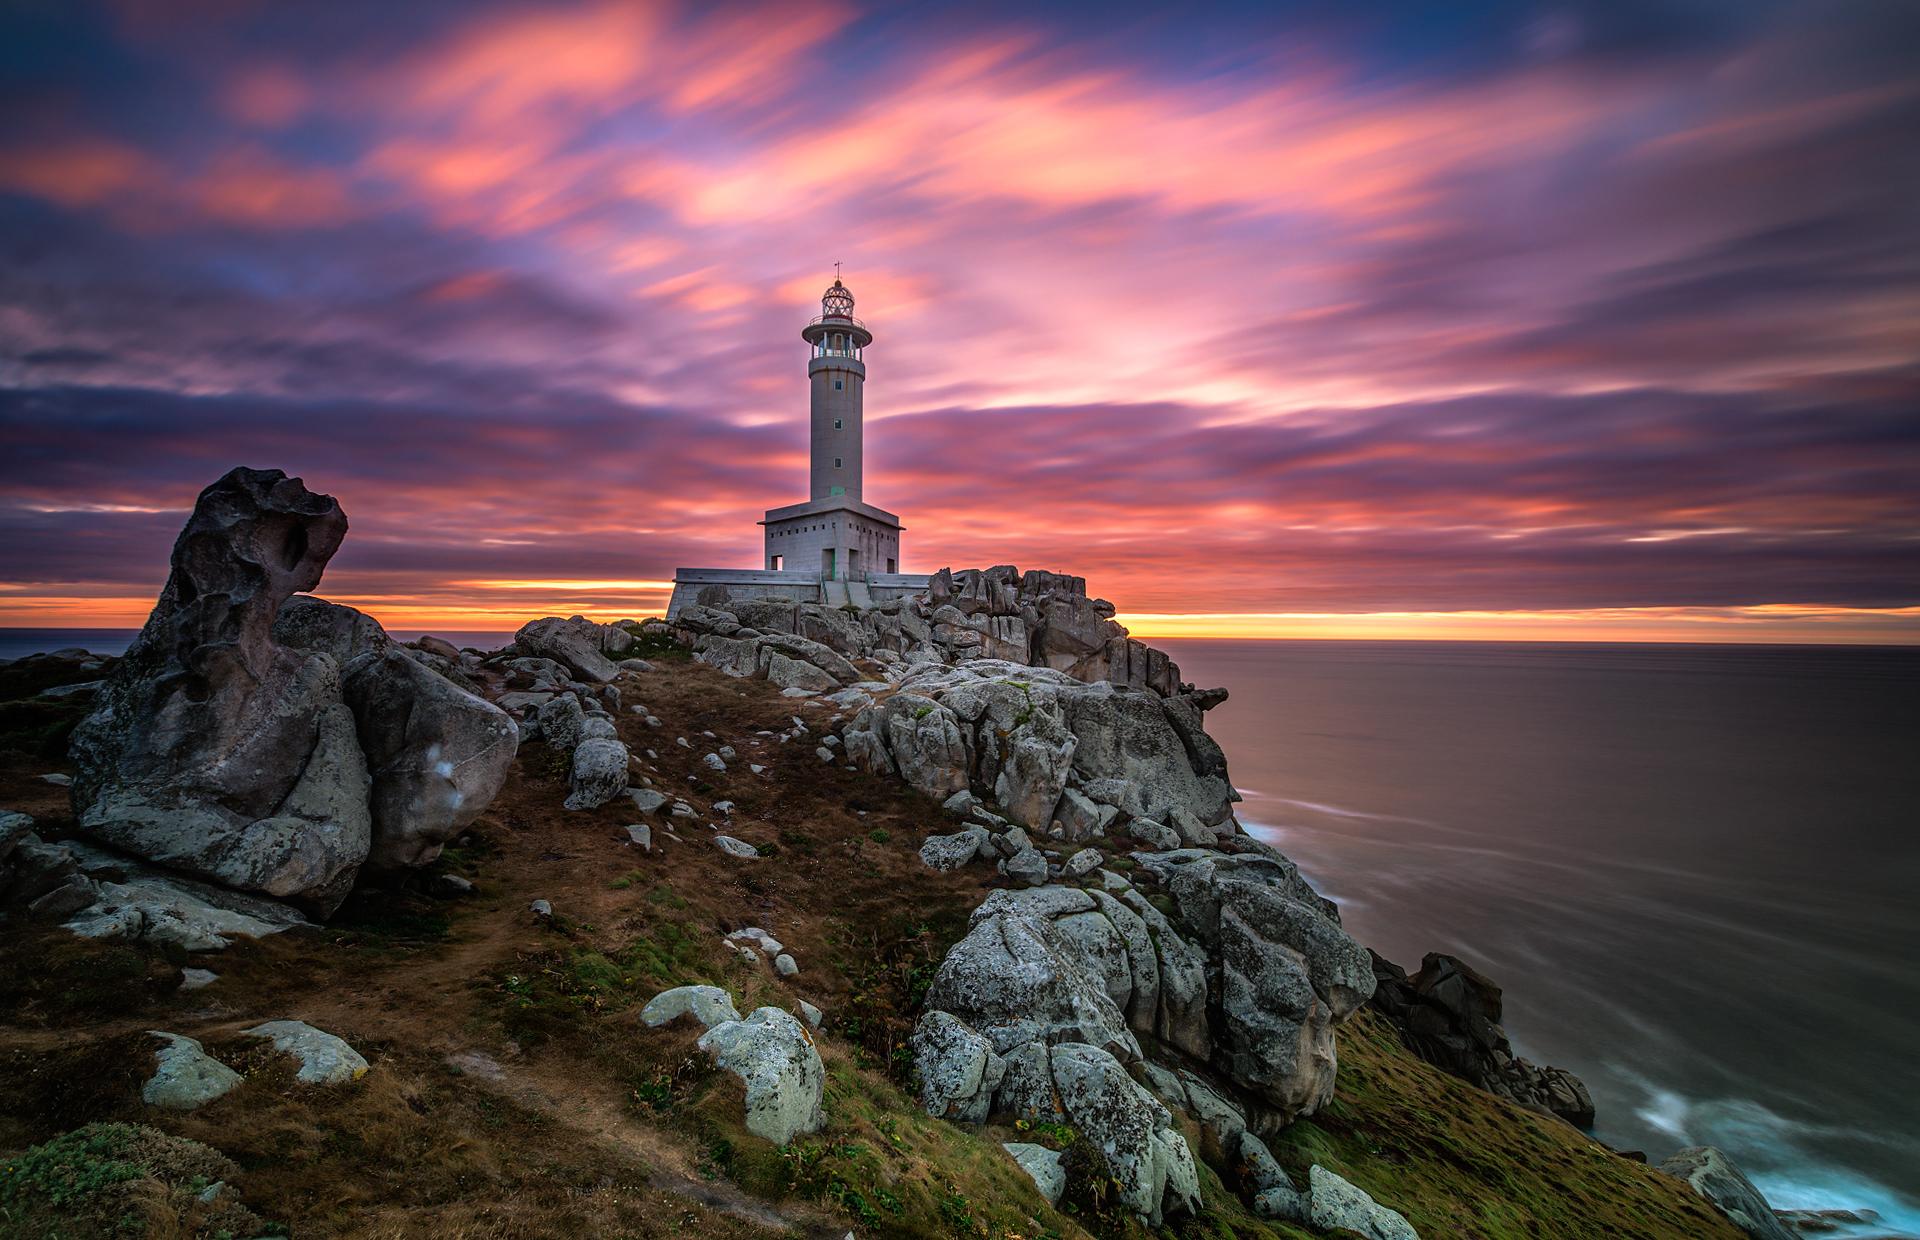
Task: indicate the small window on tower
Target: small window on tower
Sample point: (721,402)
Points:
(836,424)
(838,384)
(836,462)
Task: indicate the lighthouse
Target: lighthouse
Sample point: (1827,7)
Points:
(833,547)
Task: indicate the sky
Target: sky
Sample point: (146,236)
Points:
(1560,321)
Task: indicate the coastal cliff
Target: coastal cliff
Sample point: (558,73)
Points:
(929,919)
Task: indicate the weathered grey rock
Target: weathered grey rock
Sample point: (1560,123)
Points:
(450,886)
(1081,818)
(1086,1086)
(1332,1204)
(185,1077)
(774,1056)
(1081,863)
(561,720)
(785,965)
(324,1058)
(640,835)
(709,1005)
(1014,980)
(949,852)
(646,800)
(1038,753)
(1046,1167)
(1288,973)
(194,979)
(1027,866)
(735,847)
(575,642)
(213,749)
(599,773)
(811,1014)
(958,1068)
(436,754)
(925,742)
(1708,1171)
(791,673)
(139,903)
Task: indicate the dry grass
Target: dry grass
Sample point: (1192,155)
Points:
(514,1092)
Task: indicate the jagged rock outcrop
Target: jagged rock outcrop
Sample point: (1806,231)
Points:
(1035,619)
(266,755)
(1449,1015)
(214,749)
(1043,748)
(1335,1205)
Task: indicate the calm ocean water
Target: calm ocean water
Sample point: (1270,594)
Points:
(1692,868)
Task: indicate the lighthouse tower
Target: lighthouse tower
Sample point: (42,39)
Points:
(836,374)
(835,548)
(836,535)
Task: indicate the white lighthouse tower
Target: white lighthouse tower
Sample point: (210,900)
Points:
(835,547)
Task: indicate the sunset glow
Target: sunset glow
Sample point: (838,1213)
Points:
(1588,326)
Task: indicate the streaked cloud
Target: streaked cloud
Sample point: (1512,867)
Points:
(1579,317)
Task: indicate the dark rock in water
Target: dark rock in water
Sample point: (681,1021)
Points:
(214,749)
(437,754)
(1449,1015)
(1710,1173)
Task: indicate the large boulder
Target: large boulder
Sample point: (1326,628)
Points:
(574,642)
(437,755)
(214,749)
(1014,979)
(774,1056)
(1288,975)
(1708,1171)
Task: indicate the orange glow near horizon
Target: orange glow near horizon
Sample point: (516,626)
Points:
(503,606)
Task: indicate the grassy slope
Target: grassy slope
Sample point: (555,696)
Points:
(514,1092)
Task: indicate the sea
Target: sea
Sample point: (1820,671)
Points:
(1693,869)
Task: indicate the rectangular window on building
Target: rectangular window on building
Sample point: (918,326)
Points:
(838,385)
(836,462)
(836,424)
(779,563)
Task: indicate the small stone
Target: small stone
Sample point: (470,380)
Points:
(785,965)
(646,800)
(449,886)
(683,742)
(1082,862)
(324,1058)
(640,835)
(723,808)
(756,768)
(194,979)
(185,1077)
(682,810)
(58,780)
(541,909)
(728,752)
(1027,867)
(735,848)
(811,1014)
(709,1005)
(824,754)
(714,762)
